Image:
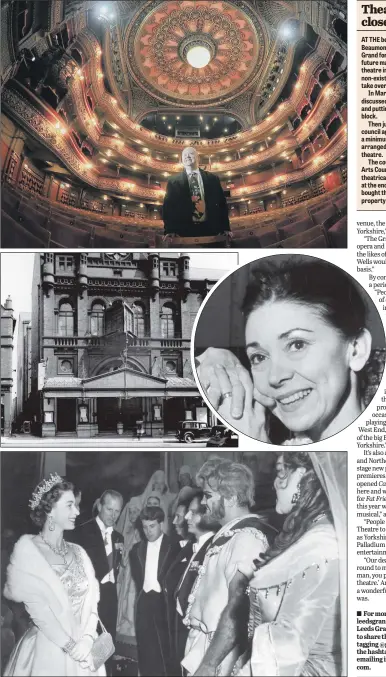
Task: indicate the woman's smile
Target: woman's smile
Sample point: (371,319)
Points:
(294,400)
(301,362)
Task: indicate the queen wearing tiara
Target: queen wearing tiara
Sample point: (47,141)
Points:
(56,582)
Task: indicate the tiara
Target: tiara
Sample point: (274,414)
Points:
(44,486)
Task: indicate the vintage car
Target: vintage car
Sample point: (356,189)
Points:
(188,431)
(221,436)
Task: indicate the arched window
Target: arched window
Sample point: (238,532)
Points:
(66,319)
(139,320)
(97,324)
(168,321)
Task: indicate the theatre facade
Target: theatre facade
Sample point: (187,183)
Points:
(110,342)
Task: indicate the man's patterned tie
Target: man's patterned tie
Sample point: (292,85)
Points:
(197,198)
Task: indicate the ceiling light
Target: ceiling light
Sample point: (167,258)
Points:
(169,126)
(215,119)
(198,56)
(134,167)
(207,127)
(103,160)
(201,118)
(226,129)
(178,117)
(164,117)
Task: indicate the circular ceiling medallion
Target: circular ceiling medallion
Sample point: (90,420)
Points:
(201,52)
(198,56)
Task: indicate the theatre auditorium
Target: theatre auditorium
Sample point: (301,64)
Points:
(99,99)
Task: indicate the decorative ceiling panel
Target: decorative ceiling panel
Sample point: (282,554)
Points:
(155,43)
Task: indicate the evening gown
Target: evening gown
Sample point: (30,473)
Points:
(58,598)
(294,624)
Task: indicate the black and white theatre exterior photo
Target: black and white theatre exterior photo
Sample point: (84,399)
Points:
(110,343)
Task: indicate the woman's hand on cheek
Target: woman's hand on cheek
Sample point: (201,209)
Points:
(253,419)
(219,373)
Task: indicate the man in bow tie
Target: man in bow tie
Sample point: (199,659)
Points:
(104,546)
(194,203)
(201,528)
(149,562)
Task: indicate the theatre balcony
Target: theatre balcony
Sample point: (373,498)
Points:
(100,99)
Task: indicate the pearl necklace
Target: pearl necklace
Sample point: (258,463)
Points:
(62,552)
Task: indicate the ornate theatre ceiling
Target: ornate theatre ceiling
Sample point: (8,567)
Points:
(156,44)
(103,75)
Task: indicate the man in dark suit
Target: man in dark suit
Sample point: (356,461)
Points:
(194,204)
(104,545)
(149,562)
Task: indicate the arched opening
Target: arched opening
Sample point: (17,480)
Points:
(66,319)
(97,319)
(315,93)
(139,320)
(336,62)
(76,55)
(340,28)
(168,321)
(333,127)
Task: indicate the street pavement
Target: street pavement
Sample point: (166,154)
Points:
(27,441)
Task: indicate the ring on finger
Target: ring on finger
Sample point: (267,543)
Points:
(226,395)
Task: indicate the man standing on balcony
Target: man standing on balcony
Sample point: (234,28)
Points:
(195,204)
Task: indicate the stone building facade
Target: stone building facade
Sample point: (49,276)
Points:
(8,323)
(110,343)
(23,380)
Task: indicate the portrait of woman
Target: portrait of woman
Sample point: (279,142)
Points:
(56,582)
(309,359)
(297,623)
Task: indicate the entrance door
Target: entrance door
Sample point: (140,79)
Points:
(131,413)
(108,414)
(66,415)
(174,411)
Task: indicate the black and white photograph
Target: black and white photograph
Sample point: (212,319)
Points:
(296,355)
(174,563)
(96,347)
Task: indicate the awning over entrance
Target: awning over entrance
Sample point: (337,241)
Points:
(120,383)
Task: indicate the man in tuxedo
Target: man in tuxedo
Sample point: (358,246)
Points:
(149,562)
(104,545)
(202,528)
(194,204)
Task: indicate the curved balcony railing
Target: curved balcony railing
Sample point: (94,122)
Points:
(257,133)
(39,120)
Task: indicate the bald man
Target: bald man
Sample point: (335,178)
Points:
(194,204)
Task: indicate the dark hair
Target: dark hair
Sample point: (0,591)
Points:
(39,514)
(152,513)
(306,280)
(312,502)
(111,492)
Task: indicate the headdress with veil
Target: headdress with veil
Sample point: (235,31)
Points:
(321,542)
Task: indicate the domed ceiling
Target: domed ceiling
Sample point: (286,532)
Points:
(158,41)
